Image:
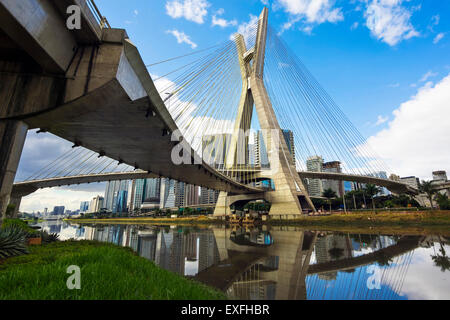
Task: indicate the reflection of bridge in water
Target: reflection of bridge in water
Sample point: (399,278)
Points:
(283,269)
(280,263)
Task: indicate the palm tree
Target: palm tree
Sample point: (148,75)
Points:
(372,190)
(427,187)
(443,201)
(329,194)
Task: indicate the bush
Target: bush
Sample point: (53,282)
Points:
(49,238)
(19,224)
(12,242)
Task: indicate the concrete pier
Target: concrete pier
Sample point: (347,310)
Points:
(12,139)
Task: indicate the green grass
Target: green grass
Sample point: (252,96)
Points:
(108,272)
(417,218)
(7,223)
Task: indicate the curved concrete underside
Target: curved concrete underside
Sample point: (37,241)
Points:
(108,122)
(27,187)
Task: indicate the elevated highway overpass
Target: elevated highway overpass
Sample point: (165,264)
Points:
(88,86)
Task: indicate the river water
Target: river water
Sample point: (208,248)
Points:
(287,262)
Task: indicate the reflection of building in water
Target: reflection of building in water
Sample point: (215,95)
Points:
(190,246)
(330,248)
(79,232)
(54,228)
(208,252)
(147,244)
(176,260)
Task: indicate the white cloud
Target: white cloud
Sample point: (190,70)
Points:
(314,11)
(217,21)
(415,142)
(428,75)
(48,198)
(438,37)
(389,21)
(247,29)
(394,85)
(435,20)
(192,10)
(182,38)
(381,120)
(423,281)
(354,25)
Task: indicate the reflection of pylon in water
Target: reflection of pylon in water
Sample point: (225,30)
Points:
(289,195)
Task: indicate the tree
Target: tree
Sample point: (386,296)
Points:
(329,194)
(427,187)
(372,190)
(443,201)
(441,260)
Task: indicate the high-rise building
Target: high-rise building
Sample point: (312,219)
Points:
(260,150)
(289,138)
(208,196)
(58,210)
(167,193)
(394,177)
(191,195)
(336,186)
(96,204)
(180,193)
(122,197)
(84,206)
(261,156)
(411,181)
(314,164)
(112,193)
(143,190)
(215,149)
(440,175)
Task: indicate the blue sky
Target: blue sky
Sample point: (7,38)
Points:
(385,62)
(368,72)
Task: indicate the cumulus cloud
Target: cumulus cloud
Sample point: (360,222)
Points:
(48,198)
(192,10)
(438,37)
(217,21)
(182,38)
(311,12)
(423,281)
(247,29)
(428,75)
(415,141)
(381,120)
(389,21)
(40,150)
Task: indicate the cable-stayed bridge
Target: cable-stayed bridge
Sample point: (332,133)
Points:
(193,124)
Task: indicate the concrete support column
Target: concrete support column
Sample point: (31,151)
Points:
(222,208)
(12,139)
(15,200)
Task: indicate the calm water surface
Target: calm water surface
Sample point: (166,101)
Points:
(287,262)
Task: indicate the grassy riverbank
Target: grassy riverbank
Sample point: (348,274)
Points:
(429,219)
(107,272)
(148,220)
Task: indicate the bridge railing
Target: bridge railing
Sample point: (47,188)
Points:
(100,18)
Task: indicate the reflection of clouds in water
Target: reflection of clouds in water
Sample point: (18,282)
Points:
(190,268)
(424,280)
